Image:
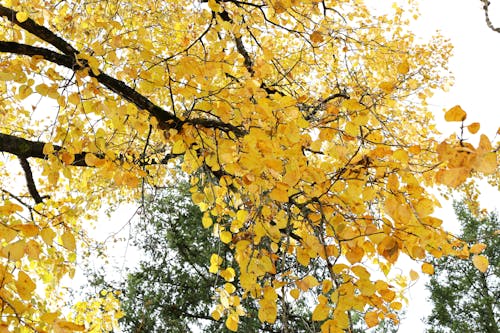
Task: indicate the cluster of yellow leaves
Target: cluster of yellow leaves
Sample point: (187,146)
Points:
(459,159)
(329,166)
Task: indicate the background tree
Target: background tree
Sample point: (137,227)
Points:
(466,298)
(172,289)
(303,126)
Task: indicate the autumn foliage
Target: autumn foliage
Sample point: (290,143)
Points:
(302,124)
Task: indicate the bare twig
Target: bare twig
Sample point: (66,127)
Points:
(486,6)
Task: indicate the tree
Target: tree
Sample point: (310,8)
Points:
(302,124)
(172,289)
(465,293)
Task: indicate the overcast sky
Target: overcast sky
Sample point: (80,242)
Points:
(476,68)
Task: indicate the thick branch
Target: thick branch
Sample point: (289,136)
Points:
(24,149)
(117,86)
(30,182)
(39,31)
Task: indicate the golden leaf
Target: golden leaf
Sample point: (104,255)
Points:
(226,237)
(321,312)
(371,319)
(232,322)
(480,262)
(295,293)
(427,268)
(21,16)
(316,37)
(473,128)
(404,67)
(25,285)
(68,241)
(477,248)
(455,114)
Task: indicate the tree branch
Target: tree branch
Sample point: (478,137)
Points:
(486,6)
(30,182)
(69,60)
(118,87)
(39,31)
(24,149)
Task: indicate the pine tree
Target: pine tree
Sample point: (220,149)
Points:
(466,299)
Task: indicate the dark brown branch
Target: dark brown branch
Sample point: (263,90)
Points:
(23,148)
(30,182)
(39,31)
(118,87)
(486,7)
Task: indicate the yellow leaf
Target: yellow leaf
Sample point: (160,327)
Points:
(33,249)
(295,293)
(326,286)
(452,177)
(68,241)
(67,326)
(477,248)
(427,268)
(215,262)
(279,195)
(396,306)
(413,275)
(455,114)
(21,16)
(321,312)
(48,148)
(229,287)
(24,285)
(14,251)
(473,128)
(213,5)
(232,322)
(353,105)
(316,37)
(480,262)
(267,311)
(403,67)
(226,237)
(179,147)
(387,87)
(371,319)
(48,235)
(24,91)
(228,274)
(49,317)
(216,315)
(206,220)
(42,89)
(355,254)
(29,230)
(307,283)
(67,158)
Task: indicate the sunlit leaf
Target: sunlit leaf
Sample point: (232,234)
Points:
(480,262)
(455,114)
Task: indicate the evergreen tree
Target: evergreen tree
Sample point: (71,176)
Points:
(466,299)
(172,289)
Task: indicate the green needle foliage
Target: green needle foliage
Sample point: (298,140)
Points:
(465,299)
(172,289)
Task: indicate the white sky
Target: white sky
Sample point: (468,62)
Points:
(476,68)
